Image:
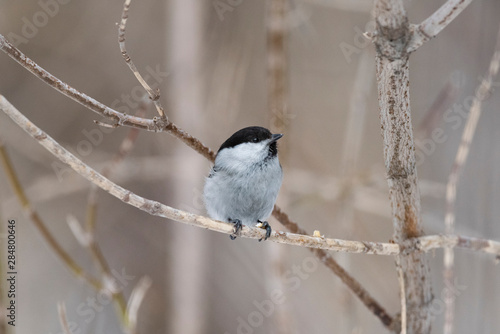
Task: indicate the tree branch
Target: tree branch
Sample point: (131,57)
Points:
(63,319)
(91,219)
(392,67)
(157,124)
(135,302)
(482,93)
(344,276)
(74,267)
(154,96)
(294,238)
(431,242)
(430,27)
(54,245)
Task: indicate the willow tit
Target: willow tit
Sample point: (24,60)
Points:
(245,180)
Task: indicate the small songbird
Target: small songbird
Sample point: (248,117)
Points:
(245,180)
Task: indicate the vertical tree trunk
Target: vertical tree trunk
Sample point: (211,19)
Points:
(277,28)
(392,63)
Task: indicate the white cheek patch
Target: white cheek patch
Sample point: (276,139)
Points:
(242,155)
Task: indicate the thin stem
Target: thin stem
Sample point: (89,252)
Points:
(40,225)
(433,25)
(135,301)
(451,189)
(94,248)
(157,124)
(330,262)
(52,242)
(63,319)
(154,96)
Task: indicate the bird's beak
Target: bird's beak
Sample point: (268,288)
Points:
(275,137)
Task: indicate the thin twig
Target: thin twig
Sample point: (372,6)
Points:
(154,96)
(94,248)
(446,96)
(430,27)
(39,224)
(430,242)
(353,138)
(156,208)
(124,149)
(52,242)
(156,124)
(135,301)
(63,319)
(401,279)
(482,93)
(344,276)
(82,236)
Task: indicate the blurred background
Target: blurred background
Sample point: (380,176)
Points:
(211,62)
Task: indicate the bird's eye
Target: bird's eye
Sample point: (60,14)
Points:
(255,139)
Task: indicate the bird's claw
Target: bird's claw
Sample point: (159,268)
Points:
(265,225)
(236,229)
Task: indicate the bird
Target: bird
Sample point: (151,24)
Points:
(244,182)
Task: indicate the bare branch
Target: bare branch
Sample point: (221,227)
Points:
(91,219)
(298,236)
(63,319)
(154,96)
(157,124)
(158,209)
(135,301)
(451,188)
(124,149)
(431,242)
(83,238)
(76,269)
(356,288)
(446,96)
(402,293)
(430,27)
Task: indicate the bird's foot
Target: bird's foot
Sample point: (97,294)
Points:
(236,229)
(267,227)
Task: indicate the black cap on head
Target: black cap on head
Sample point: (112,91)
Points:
(251,134)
